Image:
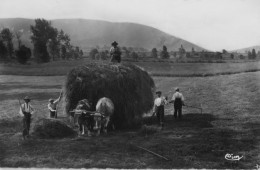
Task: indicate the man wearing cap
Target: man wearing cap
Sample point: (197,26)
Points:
(26,111)
(178,101)
(115,53)
(158,109)
(52,106)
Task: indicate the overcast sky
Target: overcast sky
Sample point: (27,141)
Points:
(212,24)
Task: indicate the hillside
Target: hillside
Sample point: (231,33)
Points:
(244,50)
(90,33)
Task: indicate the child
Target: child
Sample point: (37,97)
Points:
(52,106)
(159,103)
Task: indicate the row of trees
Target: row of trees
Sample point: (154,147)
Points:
(49,43)
(163,54)
(7,52)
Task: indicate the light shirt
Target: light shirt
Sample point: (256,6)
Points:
(26,108)
(160,101)
(53,106)
(114,50)
(177,95)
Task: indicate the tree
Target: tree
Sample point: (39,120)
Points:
(103,55)
(63,52)
(77,51)
(53,44)
(92,53)
(23,54)
(224,51)
(249,55)
(154,53)
(81,53)
(42,32)
(7,37)
(232,56)
(164,53)
(64,40)
(18,35)
(192,50)
(3,50)
(134,55)
(253,54)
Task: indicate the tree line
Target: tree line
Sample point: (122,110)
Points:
(49,44)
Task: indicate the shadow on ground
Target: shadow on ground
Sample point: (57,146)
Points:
(188,143)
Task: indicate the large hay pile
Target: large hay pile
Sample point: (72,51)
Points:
(128,86)
(52,128)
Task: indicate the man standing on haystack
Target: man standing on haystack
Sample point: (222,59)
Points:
(26,111)
(52,106)
(158,109)
(178,101)
(115,53)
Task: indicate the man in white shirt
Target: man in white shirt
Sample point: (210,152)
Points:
(26,111)
(159,103)
(52,106)
(178,101)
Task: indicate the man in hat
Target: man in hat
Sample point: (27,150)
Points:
(52,106)
(178,101)
(158,109)
(26,111)
(115,53)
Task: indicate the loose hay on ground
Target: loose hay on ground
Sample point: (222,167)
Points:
(128,86)
(52,128)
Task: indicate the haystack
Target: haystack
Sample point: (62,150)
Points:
(52,128)
(128,86)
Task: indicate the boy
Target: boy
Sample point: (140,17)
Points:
(52,106)
(159,103)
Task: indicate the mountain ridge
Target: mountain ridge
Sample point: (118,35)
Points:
(87,33)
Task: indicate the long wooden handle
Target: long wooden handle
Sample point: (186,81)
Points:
(153,153)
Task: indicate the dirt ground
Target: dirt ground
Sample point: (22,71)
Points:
(229,124)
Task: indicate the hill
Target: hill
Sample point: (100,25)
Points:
(245,50)
(90,33)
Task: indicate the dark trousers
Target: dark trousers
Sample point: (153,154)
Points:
(160,114)
(116,58)
(26,123)
(53,114)
(178,108)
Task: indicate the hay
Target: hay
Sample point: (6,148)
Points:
(52,128)
(128,86)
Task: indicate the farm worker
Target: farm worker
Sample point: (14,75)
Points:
(158,109)
(52,106)
(178,101)
(115,53)
(26,111)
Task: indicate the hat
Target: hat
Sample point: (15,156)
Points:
(27,98)
(158,92)
(114,43)
(177,89)
(51,100)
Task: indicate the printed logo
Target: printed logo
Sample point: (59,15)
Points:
(232,157)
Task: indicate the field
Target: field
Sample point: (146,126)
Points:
(229,123)
(154,68)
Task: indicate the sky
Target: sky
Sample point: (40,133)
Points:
(212,24)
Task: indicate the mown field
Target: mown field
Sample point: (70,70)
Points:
(154,68)
(229,124)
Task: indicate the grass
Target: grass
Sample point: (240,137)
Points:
(229,124)
(169,69)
